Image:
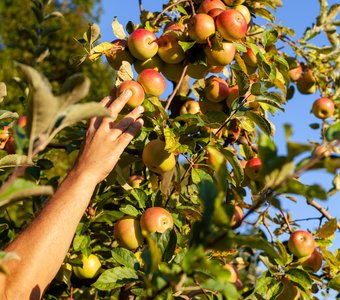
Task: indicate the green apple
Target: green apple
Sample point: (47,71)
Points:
(307,83)
(216,89)
(169,49)
(190,107)
(244,11)
(127,232)
(220,55)
(154,62)
(90,269)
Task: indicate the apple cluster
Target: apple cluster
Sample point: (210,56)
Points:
(7,140)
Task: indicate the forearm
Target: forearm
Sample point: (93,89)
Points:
(44,243)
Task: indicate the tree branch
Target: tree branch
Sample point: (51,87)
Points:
(323,211)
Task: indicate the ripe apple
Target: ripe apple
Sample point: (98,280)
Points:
(154,62)
(90,269)
(216,89)
(323,108)
(233,2)
(142,44)
(207,5)
(232,25)
(244,11)
(250,58)
(138,94)
(253,168)
(197,71)
(233,95)
(118,53)
(152,82)
(314,261)
(136,180)
(172,72)
(307,83)
(4,136)
(156,158)
(215,12)
(295,73)
(201,27)
(156,219)
(190,107)
(220,56)
(127,233)
(289,291)
(206,106)
(301,243)
(22,121)
(233,272)
(169,50)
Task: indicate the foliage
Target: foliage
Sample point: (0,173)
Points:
(210,179)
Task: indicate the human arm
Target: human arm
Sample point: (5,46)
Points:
(42,246)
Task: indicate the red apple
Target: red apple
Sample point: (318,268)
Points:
(323,108)
(22,121)
(190,107)
(250,58)
(244,11)
(156,219)
(307,83)
(152,82)
(301,243)
(216,89)
(215,12)
(233,2)
(253,168)
(138,94)
(169,50)
(118,53)
(142,44)
(220,55)
(154,62)
(233,95)
(232,25)
(295,73)
(201,27)
(208,5)
(156,158)
(127,232)
(314,261)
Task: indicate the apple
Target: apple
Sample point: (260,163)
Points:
(323,108)
(138,94)
(169,50)
(233,95)
(156,219)
(190,107)
(10,146)
(142,44)
(201,27)
(295,73)
(118,53)
(4,136)
(152,82)
(301,243)
(215,12)
(90,269)
(253,168)
(127,233)
(197,71)
(232,25)
(244,11)
(233,2)
(289,291)
(172,72)
(207,5)
(307,83)
(206,106)
(220,55)
(22,121)
(136,180)
(314,261)
(233,276)
(154,62)
(250,58)
(216,89)
(156,158)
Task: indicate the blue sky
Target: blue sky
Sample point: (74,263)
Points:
(294,14)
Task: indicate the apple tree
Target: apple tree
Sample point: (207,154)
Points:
(194,208)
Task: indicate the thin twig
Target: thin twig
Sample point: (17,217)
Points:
(323,211)
(286,220)
(166,9)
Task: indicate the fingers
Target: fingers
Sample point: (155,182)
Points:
(126,137)
(95,122)
(117,105)
(126,122)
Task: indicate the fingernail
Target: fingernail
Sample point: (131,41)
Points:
(140,108)
(128,93)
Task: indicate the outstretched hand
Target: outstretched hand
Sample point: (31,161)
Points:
(107,138)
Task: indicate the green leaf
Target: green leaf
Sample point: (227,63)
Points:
(198,175)
(129,210)
(74,89)
(269,37)
(3,91)
(80,242)
(231,157)
(21,188)
(316,191)
(263,123)
(93,33)
(171,140)
(300,276)
(4,114)
(114,278)
(118,29)
(328,229)
(264,13)
(243,82)
(334,283)
(124,257)
(333,132)
(13,160)
(140,196)
(186,45)
(84,111)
